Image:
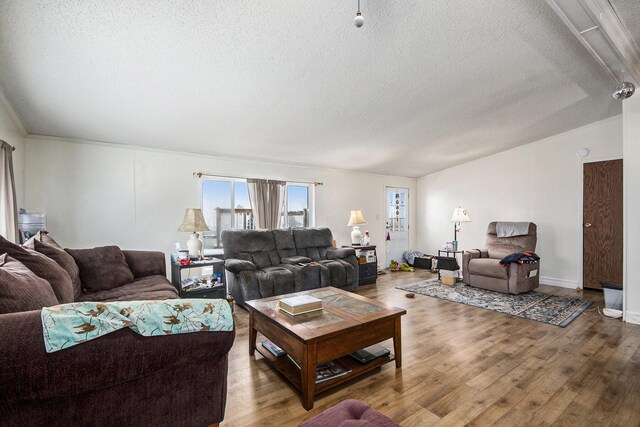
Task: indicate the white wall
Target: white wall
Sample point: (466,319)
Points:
(539,182)
(11,130)
(97,194)
(631,126)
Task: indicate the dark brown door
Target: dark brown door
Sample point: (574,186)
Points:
(602,223)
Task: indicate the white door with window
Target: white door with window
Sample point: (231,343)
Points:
(397,223)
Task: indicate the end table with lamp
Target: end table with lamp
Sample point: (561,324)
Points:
(459,216)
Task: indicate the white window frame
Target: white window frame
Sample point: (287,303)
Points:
(311,199)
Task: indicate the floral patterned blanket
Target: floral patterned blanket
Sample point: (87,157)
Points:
(67,325)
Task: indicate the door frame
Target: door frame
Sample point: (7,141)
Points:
(581,237)
(384,216)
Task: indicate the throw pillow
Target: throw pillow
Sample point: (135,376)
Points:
(41,236)
(101,268)
(43,267)
(65,261)
(21,289)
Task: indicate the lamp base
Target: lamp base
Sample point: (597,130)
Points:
(356,235)
(194,244)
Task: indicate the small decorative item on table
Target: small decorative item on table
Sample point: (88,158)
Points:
(231,302)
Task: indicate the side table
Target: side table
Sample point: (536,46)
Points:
(454,254)
(199,270)
(367,265)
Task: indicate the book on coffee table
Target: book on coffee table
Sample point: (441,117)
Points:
(327,371)
(300,304)
(370,353)
(274,349)
(333,369)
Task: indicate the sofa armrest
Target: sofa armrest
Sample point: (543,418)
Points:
(295,259)
(467,256)
(235,266)
(523,277)
(28,372)
(340,253)
(146,263)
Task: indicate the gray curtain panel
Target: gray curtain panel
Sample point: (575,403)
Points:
(8,204)
(267,201)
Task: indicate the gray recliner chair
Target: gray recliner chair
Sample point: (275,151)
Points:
(482,269)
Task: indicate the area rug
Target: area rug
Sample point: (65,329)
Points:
(538,306)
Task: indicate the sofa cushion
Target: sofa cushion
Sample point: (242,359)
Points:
(295,260)
(275,281)
(235,266)
(146,263)
(21,289)
(144,288)
(64,260)
(257,246)
(43,267)
(285,245)
(500,247)
(488,267)
(313,242)
(349,413)
(341,273)
(101,268)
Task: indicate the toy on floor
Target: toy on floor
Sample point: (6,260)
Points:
(396,266)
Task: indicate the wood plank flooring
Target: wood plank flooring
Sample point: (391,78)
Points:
(466,366)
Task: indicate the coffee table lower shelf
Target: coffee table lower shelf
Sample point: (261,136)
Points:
(292,373)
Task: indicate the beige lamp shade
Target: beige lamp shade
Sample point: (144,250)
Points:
(193,221)
(356,218)
(460,215)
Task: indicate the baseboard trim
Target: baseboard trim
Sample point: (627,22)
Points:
(561,283)
(632,317)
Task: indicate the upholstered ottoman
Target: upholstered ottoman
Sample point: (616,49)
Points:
(349,413)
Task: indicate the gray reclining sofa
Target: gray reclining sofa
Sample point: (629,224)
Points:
(264,263)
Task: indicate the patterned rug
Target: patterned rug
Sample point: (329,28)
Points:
(538,306)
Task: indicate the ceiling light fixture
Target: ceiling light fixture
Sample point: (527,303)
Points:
(359,21)
(624,90)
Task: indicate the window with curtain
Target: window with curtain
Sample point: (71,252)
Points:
(297,209)
(225,205)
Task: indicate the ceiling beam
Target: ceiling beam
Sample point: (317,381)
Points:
(599,28)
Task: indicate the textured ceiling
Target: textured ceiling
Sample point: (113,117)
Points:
(629,13)
(423,86)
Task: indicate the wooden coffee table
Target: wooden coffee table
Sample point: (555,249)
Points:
(347,323)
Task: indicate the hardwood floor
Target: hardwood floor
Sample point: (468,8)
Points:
(466,366)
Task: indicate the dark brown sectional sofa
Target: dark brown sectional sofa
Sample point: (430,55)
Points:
(119,379)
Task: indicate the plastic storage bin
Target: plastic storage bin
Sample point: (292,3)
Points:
(448,277)
(612,295)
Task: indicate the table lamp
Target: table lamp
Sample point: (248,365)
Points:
(192,223)
(459,215)
(356,220)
